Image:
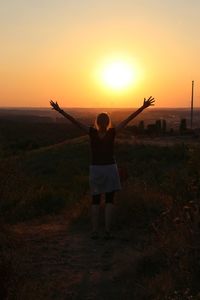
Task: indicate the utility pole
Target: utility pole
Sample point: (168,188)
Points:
(192,98)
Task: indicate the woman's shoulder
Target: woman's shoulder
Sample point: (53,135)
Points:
(112,129)
(92,130)
(111,132)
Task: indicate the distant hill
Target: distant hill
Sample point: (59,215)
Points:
(171,115)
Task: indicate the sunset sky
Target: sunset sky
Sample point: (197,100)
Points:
(57,49)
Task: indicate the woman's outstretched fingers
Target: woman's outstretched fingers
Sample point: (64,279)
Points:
(54,105)
(151,100)
(148,102)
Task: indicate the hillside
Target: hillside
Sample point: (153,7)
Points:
(47,179)
(47,252)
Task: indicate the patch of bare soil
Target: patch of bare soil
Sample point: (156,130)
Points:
(59,261)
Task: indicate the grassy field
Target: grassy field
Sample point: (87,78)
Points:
(19,136)
(158,210)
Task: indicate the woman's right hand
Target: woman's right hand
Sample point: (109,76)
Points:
(55,105)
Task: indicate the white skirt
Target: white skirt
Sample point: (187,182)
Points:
(104,179)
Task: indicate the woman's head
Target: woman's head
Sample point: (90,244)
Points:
(103,121)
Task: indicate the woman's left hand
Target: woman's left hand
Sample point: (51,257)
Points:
(148,102)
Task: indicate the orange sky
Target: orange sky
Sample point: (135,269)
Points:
(53,50)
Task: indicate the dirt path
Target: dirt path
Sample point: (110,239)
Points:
(62,262)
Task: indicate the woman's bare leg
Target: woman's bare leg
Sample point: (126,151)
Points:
(95,217)
(109,211)
(95,214)
(109,216)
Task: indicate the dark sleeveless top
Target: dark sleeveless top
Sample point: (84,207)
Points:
(102,148)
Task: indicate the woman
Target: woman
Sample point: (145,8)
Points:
(104,177)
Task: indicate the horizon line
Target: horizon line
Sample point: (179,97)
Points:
(80,107)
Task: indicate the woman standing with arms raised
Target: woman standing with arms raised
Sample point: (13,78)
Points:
(104,177)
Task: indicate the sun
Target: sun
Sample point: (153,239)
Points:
(118,75)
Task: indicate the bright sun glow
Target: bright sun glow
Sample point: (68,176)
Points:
(118,75)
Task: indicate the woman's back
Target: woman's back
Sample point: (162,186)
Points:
(102,148)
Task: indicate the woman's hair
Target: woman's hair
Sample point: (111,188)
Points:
(104,118)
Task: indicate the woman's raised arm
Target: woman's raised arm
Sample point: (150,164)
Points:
(55,106)
(149,102)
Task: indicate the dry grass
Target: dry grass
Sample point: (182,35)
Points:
(157,215)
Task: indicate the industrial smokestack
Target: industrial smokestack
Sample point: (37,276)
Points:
(192,100)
